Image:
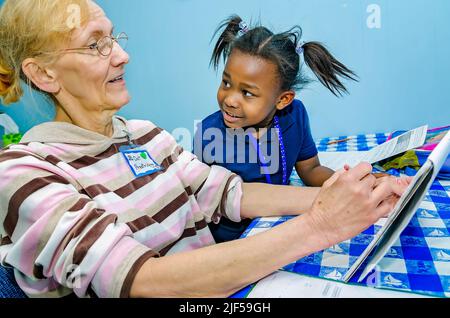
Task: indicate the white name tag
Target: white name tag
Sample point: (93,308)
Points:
(140,162)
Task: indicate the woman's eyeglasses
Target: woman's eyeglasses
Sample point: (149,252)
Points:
(104,46)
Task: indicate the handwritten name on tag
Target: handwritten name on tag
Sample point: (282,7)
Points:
(140,162)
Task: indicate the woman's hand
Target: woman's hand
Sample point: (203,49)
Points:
(352,200)
(398,184)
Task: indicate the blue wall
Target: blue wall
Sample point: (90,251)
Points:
(403,66)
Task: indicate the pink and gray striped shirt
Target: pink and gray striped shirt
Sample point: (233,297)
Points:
(74,218)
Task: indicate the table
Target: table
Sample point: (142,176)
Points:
(419,262)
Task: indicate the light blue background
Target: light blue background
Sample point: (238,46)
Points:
(404,66)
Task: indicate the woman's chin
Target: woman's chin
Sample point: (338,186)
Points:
(119,101)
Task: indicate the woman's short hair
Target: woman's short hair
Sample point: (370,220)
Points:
(28,27)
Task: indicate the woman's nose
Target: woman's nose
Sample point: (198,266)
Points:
(119,56)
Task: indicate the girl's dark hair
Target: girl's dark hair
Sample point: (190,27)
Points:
(280,49)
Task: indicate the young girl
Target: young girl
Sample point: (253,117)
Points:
(256,100)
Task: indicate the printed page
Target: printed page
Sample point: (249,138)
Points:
(283,284)
(337,160)
(412,139)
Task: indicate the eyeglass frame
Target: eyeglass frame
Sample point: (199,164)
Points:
(119,36)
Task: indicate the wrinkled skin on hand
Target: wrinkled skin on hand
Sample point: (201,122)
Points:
(352,200)
(399,184)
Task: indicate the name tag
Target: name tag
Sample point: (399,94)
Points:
(140,162)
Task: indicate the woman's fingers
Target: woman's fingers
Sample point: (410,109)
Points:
(387,187)
(392,200)
(385,207)
(369,181)
(360,171)
(334,177)
(405,180)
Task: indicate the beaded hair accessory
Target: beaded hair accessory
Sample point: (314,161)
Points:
(299,49)
(243,28)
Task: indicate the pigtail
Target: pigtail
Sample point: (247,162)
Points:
(326,67)
(223,45)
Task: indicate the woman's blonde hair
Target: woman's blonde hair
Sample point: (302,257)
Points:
(29,27)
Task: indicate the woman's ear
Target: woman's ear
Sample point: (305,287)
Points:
(41,77)
(285,99)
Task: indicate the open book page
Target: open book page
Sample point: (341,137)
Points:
(412,139)
(404,209)
(283,284)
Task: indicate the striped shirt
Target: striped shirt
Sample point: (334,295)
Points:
(74,218)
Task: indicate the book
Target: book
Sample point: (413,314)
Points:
(403,211)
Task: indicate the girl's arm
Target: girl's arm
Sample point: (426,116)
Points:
(312,173)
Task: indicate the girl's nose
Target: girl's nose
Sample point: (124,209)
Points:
(231,101)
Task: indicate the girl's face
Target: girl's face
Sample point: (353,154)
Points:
(249,92)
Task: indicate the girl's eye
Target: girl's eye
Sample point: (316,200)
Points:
(247,93)
(225,84)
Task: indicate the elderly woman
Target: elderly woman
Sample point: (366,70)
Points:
(97,205)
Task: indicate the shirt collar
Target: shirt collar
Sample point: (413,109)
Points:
(61,132)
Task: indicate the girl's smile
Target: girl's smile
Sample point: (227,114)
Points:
(230,118)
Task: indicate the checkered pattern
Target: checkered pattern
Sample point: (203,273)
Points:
(419,261)
(351,143)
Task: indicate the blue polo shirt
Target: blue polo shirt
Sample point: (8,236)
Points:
(216,144)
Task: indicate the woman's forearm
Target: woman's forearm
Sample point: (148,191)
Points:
(347,204)
(222,269)
(261,199)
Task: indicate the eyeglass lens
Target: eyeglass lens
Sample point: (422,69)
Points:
(106,44)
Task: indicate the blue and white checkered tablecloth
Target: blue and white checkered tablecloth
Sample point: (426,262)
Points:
(418,262)
(351,143)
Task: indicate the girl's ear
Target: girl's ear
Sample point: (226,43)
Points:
(285,99)
(43,78)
